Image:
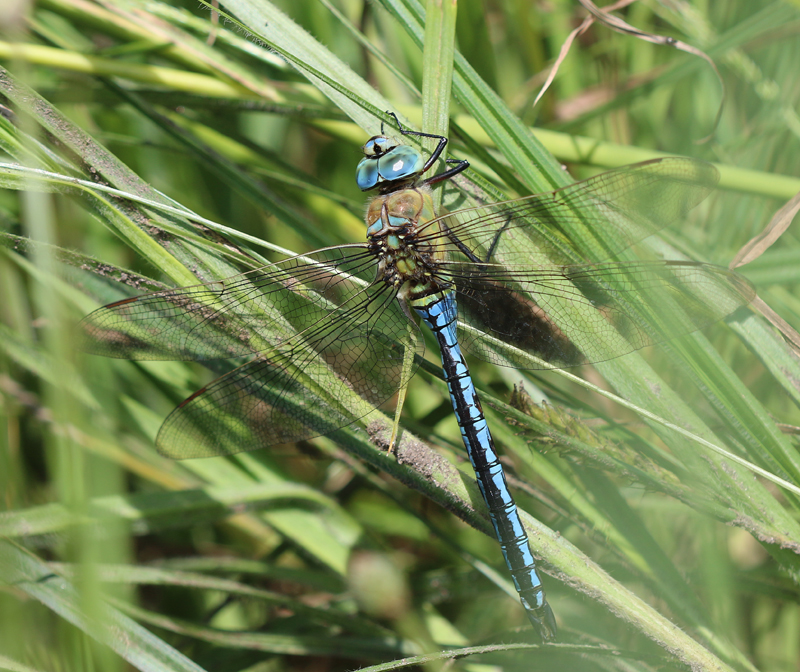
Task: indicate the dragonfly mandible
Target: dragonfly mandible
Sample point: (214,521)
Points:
(328,333)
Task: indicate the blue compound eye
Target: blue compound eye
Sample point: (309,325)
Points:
(367,173)
(387,160)
(400,163)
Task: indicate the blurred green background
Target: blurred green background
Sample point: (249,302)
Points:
(134,131)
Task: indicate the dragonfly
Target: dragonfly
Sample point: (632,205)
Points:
(330,335)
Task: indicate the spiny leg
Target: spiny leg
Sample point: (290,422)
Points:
(434,157)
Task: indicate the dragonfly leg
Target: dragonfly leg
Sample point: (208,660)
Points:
(469,254)
(463,164)
(496,238)
(434,157)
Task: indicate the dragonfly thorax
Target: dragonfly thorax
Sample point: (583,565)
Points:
(403,209)
(405,259)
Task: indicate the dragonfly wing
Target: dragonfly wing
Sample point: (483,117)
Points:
(572,315)
(608,213)
(233,317)
(323,378)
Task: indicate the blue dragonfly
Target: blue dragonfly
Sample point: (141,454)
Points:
(330,335)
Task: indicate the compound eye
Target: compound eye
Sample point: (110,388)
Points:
(367,173)
(400,163)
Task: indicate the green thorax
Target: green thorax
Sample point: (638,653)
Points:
(399,224)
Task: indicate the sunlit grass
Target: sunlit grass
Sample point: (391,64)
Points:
(231,563)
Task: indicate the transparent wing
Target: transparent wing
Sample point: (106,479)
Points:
(322,379)
(329,347)
(610,211)
(233,317)
(572,315)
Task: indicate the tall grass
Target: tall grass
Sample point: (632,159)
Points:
(151,144)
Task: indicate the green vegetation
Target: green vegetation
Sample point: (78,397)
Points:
(160,143)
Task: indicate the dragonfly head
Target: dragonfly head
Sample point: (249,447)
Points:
(378,145)
(387,162)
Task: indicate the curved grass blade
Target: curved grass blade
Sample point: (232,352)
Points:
(130,641)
